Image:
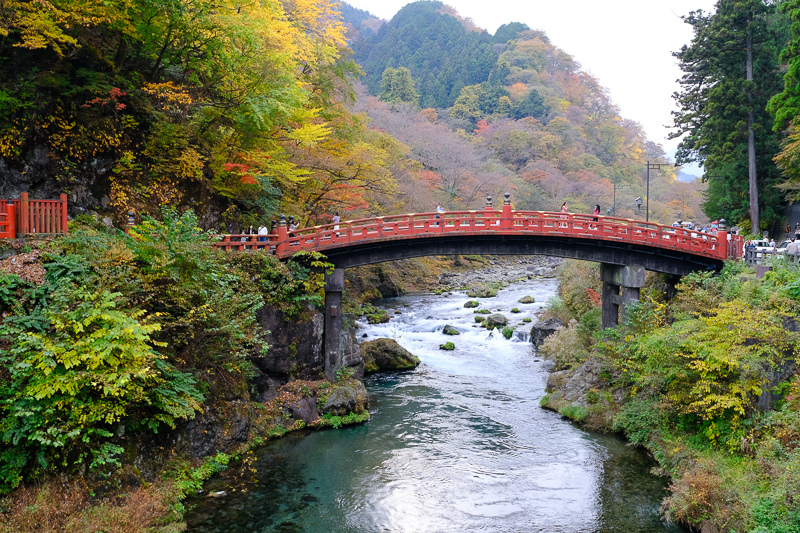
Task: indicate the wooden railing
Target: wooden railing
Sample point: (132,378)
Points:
(506,222)
(34,216)
(8,222)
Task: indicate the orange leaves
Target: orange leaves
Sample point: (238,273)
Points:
(430,178)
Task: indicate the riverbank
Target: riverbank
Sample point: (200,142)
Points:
(707,382)
(135,368)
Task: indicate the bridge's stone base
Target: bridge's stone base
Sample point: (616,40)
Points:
(621,286)
(340,348)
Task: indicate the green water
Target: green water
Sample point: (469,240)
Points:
(460,444)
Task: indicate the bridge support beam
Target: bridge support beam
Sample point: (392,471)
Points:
(334,349)
(621,285)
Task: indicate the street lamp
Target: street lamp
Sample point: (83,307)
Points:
(655,166)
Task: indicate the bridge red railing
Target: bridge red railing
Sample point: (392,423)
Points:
(33,216)
(284,244)
(7,221)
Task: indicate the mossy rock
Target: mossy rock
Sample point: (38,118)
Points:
(507,332)
(447,346)
(450,330)
(527,300)
(482,312)
(526,320)
(381,316)
(495,321)
(516,310)
(470,304)
(385,354)
(482,291)
(480,319)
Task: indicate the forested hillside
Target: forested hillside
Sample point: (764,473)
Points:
(485,114)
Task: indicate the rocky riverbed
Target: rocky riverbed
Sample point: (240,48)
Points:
(502,271)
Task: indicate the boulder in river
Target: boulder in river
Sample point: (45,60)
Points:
(450,330)
(527,300)
(495,320)
(471,303)
(385,354)
(541,330)
(447,346)
(482,291)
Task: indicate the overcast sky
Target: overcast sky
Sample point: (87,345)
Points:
(626,44)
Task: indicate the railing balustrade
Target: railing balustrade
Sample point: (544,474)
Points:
(506,222)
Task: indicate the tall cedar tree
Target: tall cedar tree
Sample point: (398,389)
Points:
(786,105)
(730,72)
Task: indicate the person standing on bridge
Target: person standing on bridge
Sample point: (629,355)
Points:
(564,211)
(596,213)
(262,234)
(439,211)
(336,220)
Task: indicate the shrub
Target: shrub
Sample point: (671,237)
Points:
(639,418)
(68,387)
(565,347)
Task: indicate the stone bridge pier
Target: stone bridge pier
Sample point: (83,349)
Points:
(621,286)
(333,338)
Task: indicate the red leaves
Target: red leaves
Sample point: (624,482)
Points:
(244,170)
(114,95)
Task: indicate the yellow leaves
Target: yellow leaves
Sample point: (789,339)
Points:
(167,96)
(43,23)
(309,133)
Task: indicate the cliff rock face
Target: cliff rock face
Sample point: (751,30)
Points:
(295,351)
(34,175)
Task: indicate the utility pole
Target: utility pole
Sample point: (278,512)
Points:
(654,166)
(615,194)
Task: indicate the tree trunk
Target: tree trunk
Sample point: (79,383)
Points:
(751,142)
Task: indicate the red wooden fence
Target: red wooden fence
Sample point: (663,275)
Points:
(7,221)
(32,216)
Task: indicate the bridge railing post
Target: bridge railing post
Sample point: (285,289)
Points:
(282,234)
(507,219)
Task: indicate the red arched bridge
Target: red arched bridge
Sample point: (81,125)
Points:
(505,232)
(624,248)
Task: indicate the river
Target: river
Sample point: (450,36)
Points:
(460,444)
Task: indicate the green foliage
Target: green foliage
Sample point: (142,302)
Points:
(190,480)
(336,421)
(507,332)
(69,388)
(639,418)
(397,87)
(771,517)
